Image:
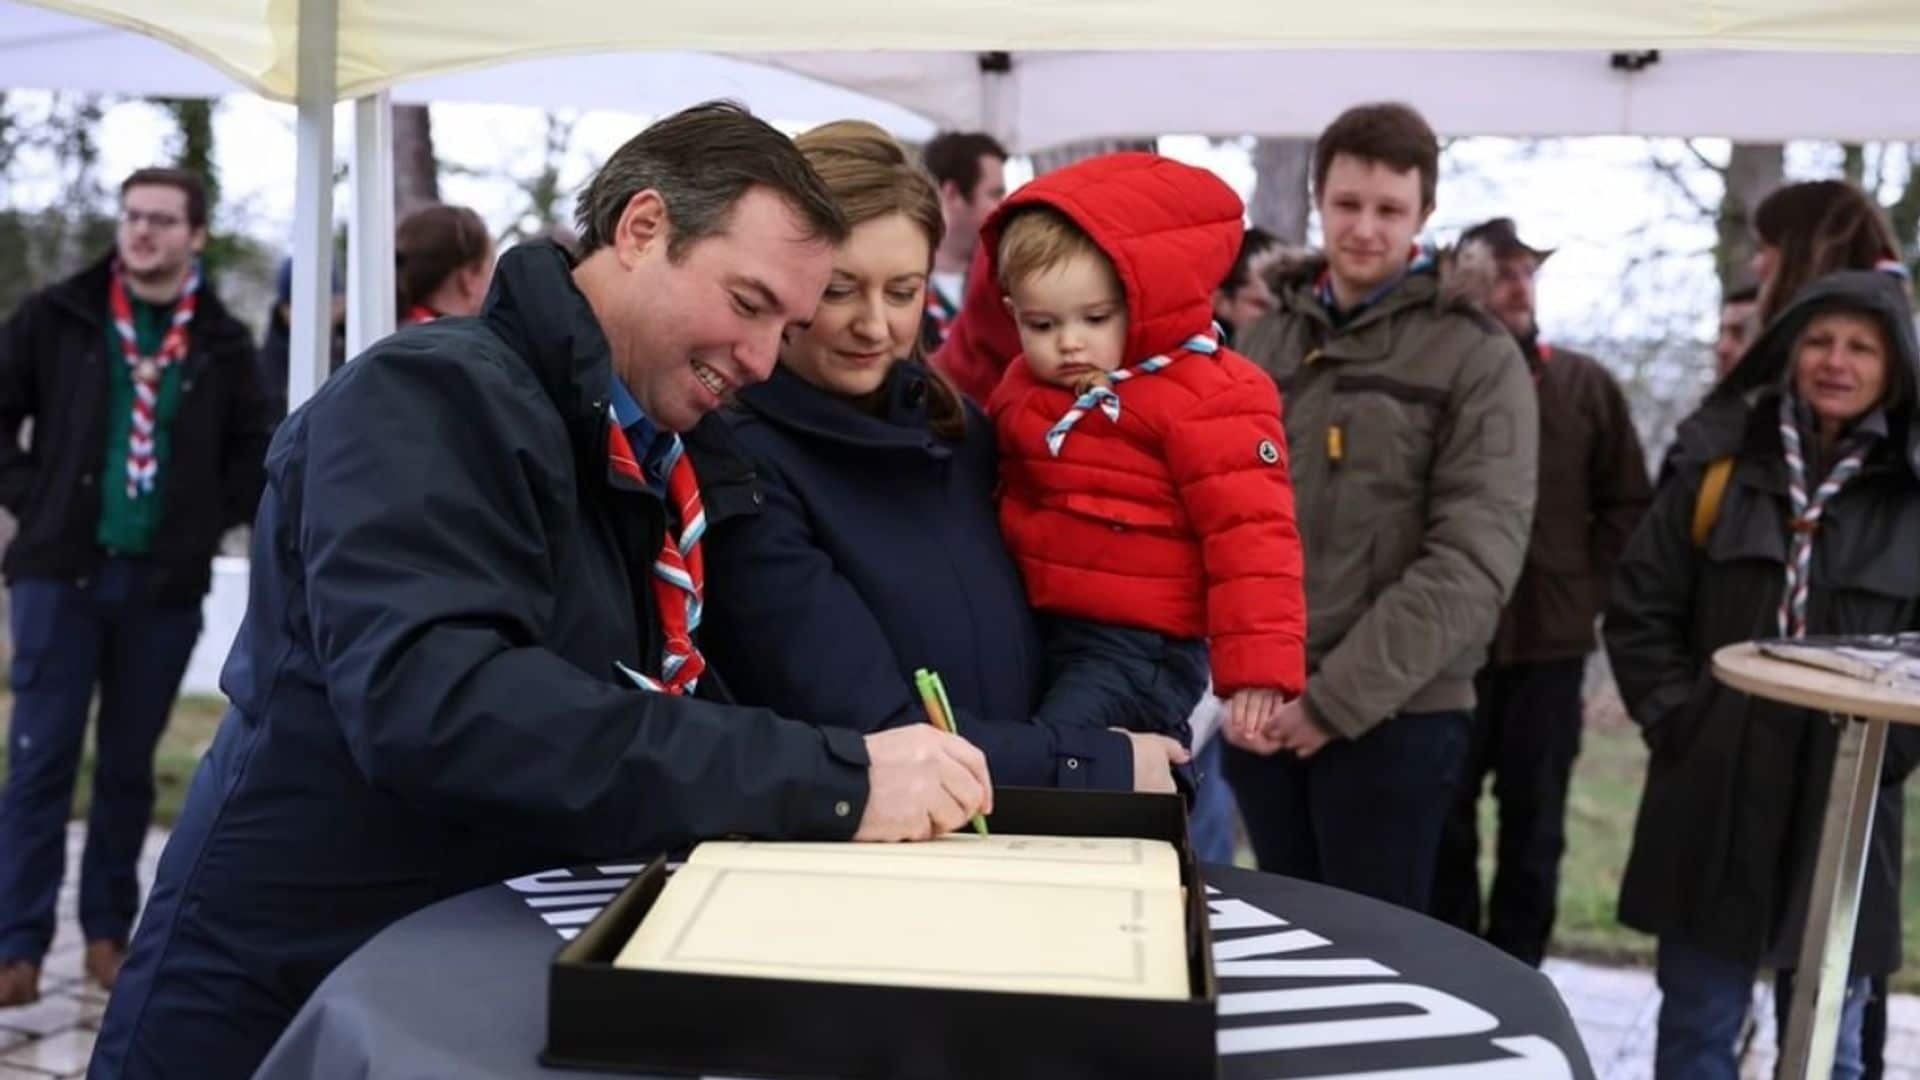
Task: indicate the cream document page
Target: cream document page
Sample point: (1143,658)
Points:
(1089,916)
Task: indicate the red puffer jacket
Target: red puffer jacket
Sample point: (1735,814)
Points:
(1179,517)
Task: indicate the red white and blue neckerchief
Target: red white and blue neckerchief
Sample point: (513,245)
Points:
(678,576)
(940,311)
(143,468)
(1104,394)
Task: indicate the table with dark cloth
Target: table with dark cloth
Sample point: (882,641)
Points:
(1313,982)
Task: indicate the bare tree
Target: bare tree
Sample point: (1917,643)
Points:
(544,195)
(1753,170)
(416,172)
(1059,157)
(1280,198)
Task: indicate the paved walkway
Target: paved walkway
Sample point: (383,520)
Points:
(54,1036)
(1614,1008)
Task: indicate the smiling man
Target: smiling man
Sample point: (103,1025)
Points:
(471,648)
(1412,429)
(148,433)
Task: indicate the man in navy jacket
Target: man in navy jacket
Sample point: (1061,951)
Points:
(451,569)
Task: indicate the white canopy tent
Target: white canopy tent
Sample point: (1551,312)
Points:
(1753,69)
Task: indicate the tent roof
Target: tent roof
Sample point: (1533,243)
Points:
(385,42)
(1043,99)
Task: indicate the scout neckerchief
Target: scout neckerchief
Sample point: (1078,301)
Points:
(679,571)
(1100,392)
(417,314)
(142,467)
(940,310)
(1806,515)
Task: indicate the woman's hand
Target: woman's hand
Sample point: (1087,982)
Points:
(1154,757)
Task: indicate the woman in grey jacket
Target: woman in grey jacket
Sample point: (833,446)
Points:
(1816,534)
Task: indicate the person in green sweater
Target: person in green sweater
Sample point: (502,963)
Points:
(149,434)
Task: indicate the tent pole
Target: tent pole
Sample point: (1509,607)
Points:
(312,316)
(997,105)
(370,286)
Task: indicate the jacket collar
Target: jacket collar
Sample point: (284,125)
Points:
(1416,289)
(84,295)
(788,401)
(535,307)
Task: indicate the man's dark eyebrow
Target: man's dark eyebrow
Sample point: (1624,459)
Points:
(763,293)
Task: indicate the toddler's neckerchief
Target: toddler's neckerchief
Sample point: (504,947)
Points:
(1102,395)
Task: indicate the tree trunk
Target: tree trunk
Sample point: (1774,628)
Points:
(1280,197)
(1753,170)
(1059,157)
(1853,164)
(416,173)
(1905,212)
(194,153)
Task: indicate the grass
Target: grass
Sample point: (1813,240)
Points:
(189,733)
(1600,810)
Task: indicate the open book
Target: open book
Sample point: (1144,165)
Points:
(1881,659)
(1089,916)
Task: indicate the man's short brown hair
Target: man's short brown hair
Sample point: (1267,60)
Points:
(186,181)
(1037,239)
(701,160)
(1387,133)
(953,157)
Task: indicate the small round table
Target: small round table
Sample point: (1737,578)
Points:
(1313,982)
(1863,710)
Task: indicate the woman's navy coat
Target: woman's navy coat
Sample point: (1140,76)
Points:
(876,551)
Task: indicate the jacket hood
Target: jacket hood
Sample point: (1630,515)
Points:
(1716,427)
(1171,231)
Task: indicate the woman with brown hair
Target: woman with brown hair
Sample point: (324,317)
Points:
(863,543)
(1802,232)
(442,264)
(1808,230)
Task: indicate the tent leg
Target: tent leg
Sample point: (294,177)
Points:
(370,286)
(312,316)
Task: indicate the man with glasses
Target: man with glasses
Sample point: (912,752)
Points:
(148,434)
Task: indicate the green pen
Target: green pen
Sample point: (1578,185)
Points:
(933,694)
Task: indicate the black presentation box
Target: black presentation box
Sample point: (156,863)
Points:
(603,1017)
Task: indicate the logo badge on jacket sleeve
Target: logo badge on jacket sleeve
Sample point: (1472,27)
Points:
(1269,453)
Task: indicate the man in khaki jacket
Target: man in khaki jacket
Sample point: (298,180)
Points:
(1413,435)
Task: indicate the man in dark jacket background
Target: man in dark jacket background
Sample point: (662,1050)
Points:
(453,577)
(148,437)
(1526,727)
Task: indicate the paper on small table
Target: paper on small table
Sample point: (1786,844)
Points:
(1092,916)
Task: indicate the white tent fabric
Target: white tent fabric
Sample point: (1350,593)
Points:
(385,42)
(1047,98)
(45,49)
